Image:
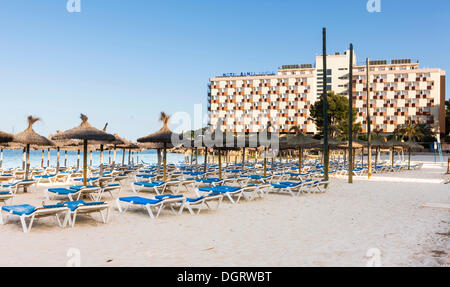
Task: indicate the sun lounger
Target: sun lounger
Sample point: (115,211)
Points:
(26,211)
(81,207)
(46,178)
(4,196)
(93,191)
(72,194)
(14,187)
(200,202)
(157,203)
(155,186)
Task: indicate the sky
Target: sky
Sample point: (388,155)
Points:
(123,62)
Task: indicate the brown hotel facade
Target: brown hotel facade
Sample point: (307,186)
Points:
(400,91)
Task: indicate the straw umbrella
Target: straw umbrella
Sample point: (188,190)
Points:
(29,137)
(393,142)
(412,146)
(85,132)
(163,136)
(4,138)
(298,141)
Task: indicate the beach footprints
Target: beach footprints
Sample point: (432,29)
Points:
(374,257)
(74,255)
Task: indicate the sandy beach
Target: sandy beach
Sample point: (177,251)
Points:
(336,228)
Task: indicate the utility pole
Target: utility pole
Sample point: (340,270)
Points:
(325,106)
(369,148)
(350,118)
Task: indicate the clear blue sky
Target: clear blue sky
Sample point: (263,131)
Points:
(126,61)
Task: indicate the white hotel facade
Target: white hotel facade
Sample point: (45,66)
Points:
(399,91)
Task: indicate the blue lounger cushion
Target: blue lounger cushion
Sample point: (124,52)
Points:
(62,190)
(192,200)
(73,205)
(161,197)
(220,189)
(208,180)
(5,193)
(23,209)
(148,184)
(139,200)
(80,187)
(290,183)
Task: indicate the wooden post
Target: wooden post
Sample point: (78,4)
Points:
(165,162)
(299,160)
(369,147)
(109,156)
(220,164)
(78,159)
(85,151)
(42,158)
(1,158)
(205,162)
(243,158)
(65,158)
(129,156)
(114,156)
(27,168)
(350,119)
(393,150)
(409,158)
(101,160)
(265,162)
(90,159)
(24,158)
(58,151)
(123,156)
(325,107)
(48,158)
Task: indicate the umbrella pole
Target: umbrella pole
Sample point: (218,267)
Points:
(376,158)
(1,158)
(23,158)
(78,159)
(409,158)
(165,162)
(158,152)
(129,156)
(101,160)
(137,157)
(109,157)
(243,157)
(65,158)
(48,158)
(265,162)
(114,156)
(206,160)
(227,158)
(85,150)
(27,168)
(57,159)
(392,157)
(300,160)
(220,164)
(90,159)
(42,159)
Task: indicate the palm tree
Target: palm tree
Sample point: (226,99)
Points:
(410,131)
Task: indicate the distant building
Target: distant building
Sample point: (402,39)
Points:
(399,91)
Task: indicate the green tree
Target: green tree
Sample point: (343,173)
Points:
(337,116)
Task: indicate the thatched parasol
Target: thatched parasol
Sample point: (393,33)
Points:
(298,141)
(5,137)
(29,137)
(412,146)
(163,136)
(85,132)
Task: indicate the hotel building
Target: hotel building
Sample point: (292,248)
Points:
(400,91)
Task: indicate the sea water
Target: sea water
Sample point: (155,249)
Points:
(13,158)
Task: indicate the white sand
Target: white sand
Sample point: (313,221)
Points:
(332,229)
